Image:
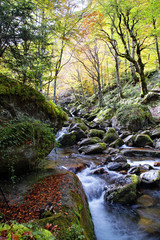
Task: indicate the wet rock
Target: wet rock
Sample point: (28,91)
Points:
(67,139)
(155,133)
(157,164)
(75,168)
(149,220)
(100,170)
(125,194)
(150,177)
(119,158)
(89,141)
(93,149)
(117,143)
(133,116)
(124,134)
(110,136)
(112,151)
(142,140)
(129,140)
(96,133)
(78,132)
(157,144)
(135,152)
(118,166)
(145,201)
(134,170)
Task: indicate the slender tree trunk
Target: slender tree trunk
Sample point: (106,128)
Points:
(99,91)
(55,87)
(108,74)
(82,90)
(117,75)
(156,42)
(142,80)
(125,73)
(93,82)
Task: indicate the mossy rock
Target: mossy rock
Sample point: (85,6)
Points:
(117,143)
(67,139)
(96,133)
(19,100)
(103,115)
(126,194)
(142,140)
(93,149)
(89,141)
(74,210)
(24,143)
(110,136)
(134,116)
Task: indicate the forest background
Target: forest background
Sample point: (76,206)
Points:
(63,46)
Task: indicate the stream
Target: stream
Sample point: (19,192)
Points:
(111,221)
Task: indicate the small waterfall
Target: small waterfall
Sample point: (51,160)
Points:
(110,222)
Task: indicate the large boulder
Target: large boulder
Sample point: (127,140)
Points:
(123,194)
(133,117)
(93,149)
(28,123)
(24,143)
(104,115)
(142,140)
(18,100)
(89,141)
(150,177)
(110,136)
(96,133)
(67,139)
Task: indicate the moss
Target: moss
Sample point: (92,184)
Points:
(110,136)
(24,143)
(142,140)
(105,114)
(111,130)
(96,133)
(134,116)
(126,194)
(11,87)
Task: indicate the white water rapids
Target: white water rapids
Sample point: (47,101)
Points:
(110,223)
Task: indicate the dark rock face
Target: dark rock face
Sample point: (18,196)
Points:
(119,166)
(67,139)
(92,149)
(133,117)
(126,194)
(142,140)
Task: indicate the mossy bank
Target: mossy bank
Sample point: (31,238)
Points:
(28,123)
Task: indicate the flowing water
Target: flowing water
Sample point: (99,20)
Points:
(110,222)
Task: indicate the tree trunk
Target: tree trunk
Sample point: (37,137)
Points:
(117,74)
(99,92)
(125,73)
(156,42)
(55,86)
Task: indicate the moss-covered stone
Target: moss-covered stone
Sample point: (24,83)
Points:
(104,115)
(110,136)
(19,99)
(93,149)
(67,139)
(74,210)
(142,140)
(24,143)
(126,194)
(96,133)
(134,116)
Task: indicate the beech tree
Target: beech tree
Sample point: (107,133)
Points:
(125,17)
